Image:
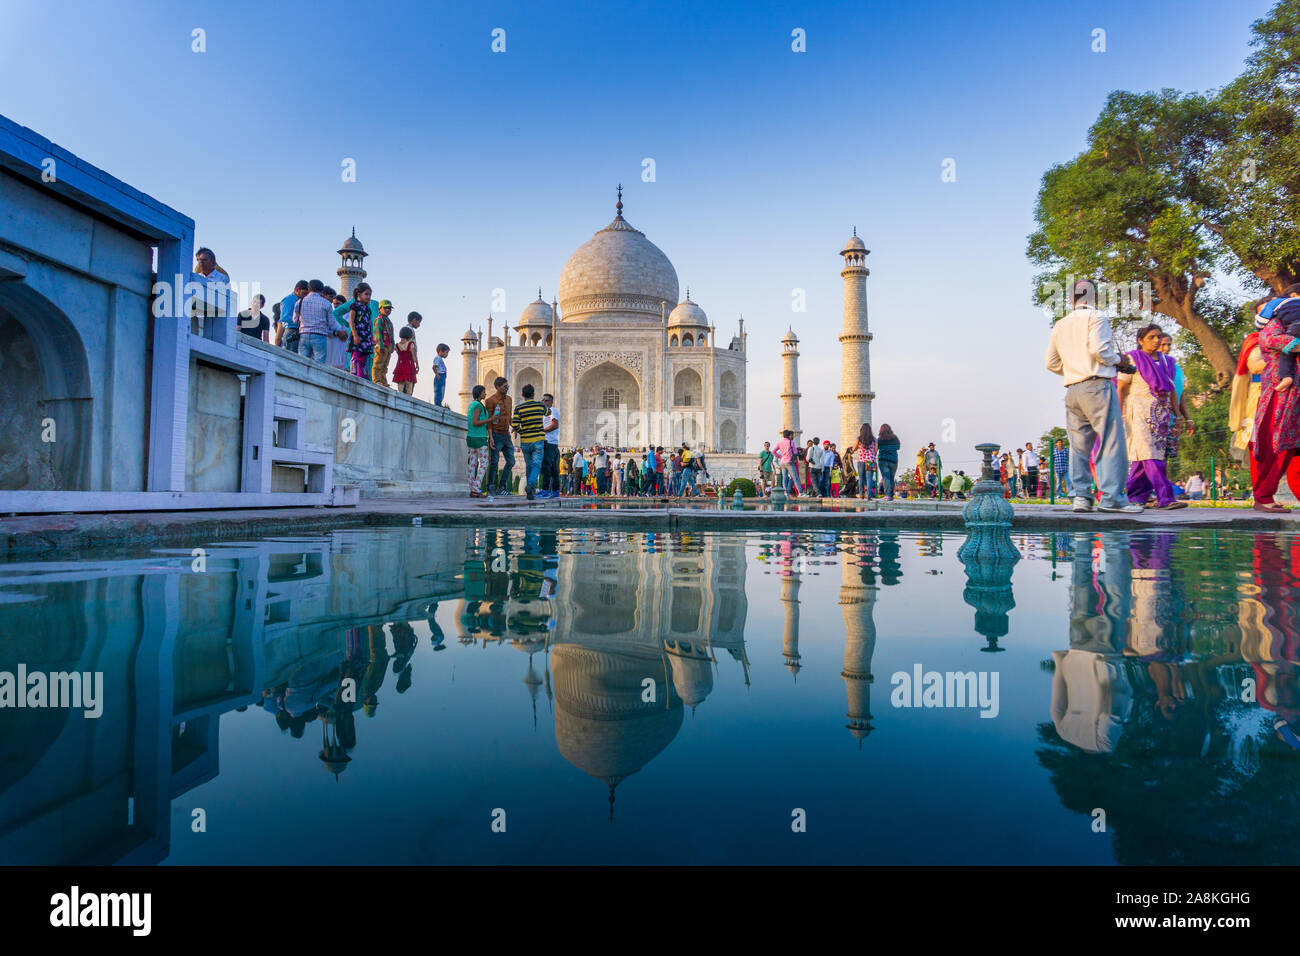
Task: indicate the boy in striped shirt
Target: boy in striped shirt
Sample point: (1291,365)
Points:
(528,424)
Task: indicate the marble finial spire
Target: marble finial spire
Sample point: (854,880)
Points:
(619,207)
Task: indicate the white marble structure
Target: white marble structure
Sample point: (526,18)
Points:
(855,343)
(128,386)
(628,364)
(790,384)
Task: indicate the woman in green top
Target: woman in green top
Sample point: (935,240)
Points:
(476,437)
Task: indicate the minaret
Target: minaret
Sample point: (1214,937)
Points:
(790,643)
(351,272)
(855,350)
(857,602)
(790,385)
(468,368)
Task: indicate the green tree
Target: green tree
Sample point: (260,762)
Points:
(1047,441)
(1131,209)
(1256,155)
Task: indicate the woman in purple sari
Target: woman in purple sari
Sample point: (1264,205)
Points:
(1150,412)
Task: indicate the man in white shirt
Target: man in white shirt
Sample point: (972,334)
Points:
(551,450)
(1082,351)
(1029,461)
(814,454)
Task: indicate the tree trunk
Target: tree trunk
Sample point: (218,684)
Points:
(1180,305)
(1277,279)
(1216,351)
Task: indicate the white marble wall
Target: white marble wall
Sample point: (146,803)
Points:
(383,441)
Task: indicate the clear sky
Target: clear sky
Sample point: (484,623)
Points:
(478,170)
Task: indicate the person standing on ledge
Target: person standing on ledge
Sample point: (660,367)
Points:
(440,372)
(1082,351)
(288,315)
(408,363)
(383,335)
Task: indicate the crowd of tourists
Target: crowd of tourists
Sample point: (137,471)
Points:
(495,423)
(867,468)
(354,334)
(1125,410)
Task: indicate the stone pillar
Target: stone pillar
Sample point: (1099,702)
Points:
(855,350)
(790,384)
(857,604)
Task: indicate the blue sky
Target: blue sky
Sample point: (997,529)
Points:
(479,170)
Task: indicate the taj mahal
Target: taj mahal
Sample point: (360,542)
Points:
(631,364)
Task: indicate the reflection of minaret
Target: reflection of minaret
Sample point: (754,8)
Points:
(790,645)
(534,684)
(857,602)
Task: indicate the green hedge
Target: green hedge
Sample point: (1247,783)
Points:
(746,487)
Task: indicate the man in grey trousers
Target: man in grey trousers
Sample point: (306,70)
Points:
(1082,350)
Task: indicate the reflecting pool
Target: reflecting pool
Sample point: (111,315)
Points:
(469,695)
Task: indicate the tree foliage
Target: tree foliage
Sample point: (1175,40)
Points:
(1173,189)
(1256,160)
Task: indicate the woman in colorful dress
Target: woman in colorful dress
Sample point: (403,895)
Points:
(1277,420)
(864,460)
(476,439)
(1147,397)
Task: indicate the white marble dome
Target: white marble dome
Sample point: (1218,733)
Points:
(535,313)
(687,313)
(618,270)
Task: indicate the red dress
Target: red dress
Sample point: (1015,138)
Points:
(405,371)
(1280,411)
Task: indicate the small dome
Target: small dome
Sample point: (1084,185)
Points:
(687,313)
(352,243)
(469,336)
(790,337)
(535,313)
(855,244)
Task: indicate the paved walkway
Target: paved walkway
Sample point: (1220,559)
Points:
(37,535)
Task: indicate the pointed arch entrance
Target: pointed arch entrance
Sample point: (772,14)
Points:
(609,407)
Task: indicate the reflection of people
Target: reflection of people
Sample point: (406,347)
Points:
(1270,630)
(1091,691)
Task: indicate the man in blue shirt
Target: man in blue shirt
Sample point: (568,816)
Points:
(288,321)
(1061,462)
